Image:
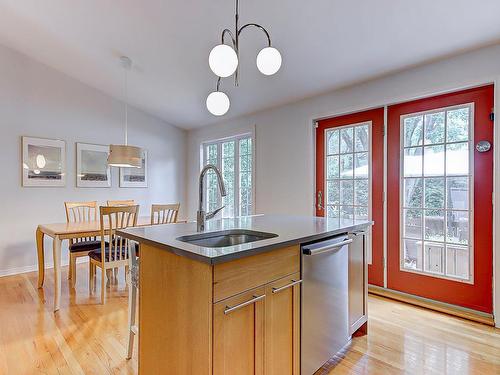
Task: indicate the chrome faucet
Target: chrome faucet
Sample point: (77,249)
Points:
(201,216)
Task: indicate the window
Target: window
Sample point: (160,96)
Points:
(348,173)
(436,192)
(234,158)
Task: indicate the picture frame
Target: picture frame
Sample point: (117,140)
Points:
(135,177)
(92,169)
(43,162)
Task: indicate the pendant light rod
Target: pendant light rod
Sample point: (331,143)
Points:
(127,65)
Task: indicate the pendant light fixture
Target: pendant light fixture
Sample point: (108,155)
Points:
(224,61)
(125,155)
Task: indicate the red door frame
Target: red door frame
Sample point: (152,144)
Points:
(376,116)
(477,296)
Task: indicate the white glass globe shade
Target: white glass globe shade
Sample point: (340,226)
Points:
(218,103)
(40,161)
(269,61)
(223,60)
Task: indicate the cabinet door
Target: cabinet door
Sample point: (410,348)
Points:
(239,334)
(283,326)
(358,282)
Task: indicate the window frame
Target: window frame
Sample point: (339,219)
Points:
(218,142)
(470,175)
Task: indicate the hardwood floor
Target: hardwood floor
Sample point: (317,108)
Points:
(85,337)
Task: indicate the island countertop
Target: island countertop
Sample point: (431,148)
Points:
(290,230)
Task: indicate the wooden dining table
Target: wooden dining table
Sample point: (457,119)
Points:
(66,231)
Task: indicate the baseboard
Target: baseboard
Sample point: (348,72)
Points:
(32,268)
(462,312)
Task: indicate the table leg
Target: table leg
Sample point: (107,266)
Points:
(56,249)
(41,261)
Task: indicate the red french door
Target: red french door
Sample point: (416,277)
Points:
(440,213)
(350,176)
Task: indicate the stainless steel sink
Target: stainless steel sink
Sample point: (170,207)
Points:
(226,238)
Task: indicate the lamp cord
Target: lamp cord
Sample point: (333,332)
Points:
(126,107)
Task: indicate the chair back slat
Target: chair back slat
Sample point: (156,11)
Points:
(164,213)
(117,217)
(81,212)
(126,202)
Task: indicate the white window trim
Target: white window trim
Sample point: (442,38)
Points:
(471,196)
(219,142)
(370,179)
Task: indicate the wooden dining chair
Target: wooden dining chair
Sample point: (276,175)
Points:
(126,202)
(80,212)
(114,252)
(164,213)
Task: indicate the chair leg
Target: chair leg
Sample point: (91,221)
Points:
(109,276)
(103,285)
(72,267)
(91,277)
(94,276)
(132,309)
(69,268)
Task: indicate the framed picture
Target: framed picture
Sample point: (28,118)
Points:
(43,162)
(135,177)
(92,169)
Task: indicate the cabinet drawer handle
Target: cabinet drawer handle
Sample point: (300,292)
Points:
(229,309)
(294,282)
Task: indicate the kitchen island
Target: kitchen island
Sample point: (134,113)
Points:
(228,300)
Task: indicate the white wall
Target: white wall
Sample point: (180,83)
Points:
(38,101)
(284,135)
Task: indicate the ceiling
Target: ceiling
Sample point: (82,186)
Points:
(325,44)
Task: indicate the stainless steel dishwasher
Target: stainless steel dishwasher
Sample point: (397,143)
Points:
(324,306)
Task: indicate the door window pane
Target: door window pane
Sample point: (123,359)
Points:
(346,166)
(413,131)
(333,141)
(412,223)
(457,159)
(361,193)
(361,138)
(413,190)
(434,257)
(457,125)
(458,227)
(347,192)
(413,162)
(457,192)
(412,250)
(434,128)
(434,225)
(361,165)
(434,192)
(333,192)
(457,261)
(435,188)
(346,140)
(332,167)
(434,160)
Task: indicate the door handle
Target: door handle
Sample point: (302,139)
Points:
(229,309)
(327,248)
(319,200)
(294,282)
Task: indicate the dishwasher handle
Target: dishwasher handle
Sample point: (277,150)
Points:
(326,248)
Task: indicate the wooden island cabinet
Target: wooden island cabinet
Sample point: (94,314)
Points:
(235,318)
(238,317)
